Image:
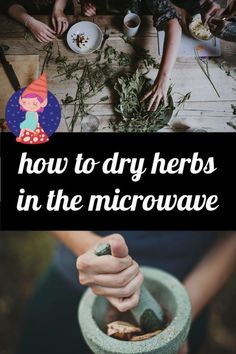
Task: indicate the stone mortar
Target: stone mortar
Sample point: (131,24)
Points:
(171,295)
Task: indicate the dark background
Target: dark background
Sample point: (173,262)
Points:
(101,146)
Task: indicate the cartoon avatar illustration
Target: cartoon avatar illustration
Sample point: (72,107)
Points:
(33,101)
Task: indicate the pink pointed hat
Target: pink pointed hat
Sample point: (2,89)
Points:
(38,87)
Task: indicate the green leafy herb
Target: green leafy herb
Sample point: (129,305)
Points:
(134,116)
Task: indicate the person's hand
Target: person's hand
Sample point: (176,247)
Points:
(217,26)
(156,94)
(116,276)
(59,21)
(209,9)
(89,9)
(41,31)
(184,349)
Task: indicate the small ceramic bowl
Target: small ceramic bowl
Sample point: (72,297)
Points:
(90,31)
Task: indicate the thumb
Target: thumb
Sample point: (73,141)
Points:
(118,246)
(54,23)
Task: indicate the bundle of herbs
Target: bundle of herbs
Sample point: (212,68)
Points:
(134,116)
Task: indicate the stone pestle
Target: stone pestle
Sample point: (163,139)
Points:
(148,313)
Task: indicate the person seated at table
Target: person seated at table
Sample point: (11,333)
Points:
(221,21)
(166,17)
(21,11)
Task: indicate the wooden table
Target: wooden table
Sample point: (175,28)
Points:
(204,110)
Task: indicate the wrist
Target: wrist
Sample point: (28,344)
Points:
(28,20)
(58,8)
(78,242)
(162,77)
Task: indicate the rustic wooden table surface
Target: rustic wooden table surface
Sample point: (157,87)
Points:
(204,110)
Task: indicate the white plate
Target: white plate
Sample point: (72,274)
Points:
(89,29)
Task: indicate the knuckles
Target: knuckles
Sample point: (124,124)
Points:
(121,281)
(83,279)
(95,290)
(82,264)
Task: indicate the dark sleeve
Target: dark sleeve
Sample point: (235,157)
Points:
(229,32)
(163,11)
(6,4)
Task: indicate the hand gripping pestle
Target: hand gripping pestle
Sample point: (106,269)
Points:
(148,312)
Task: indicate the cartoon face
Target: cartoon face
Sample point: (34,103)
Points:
(31,104)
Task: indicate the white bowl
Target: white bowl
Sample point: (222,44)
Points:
(197,18)
(89,29)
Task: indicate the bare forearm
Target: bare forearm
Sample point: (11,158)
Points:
(60,4)
(19,13)
(171,47)
(77,241)
(211,274)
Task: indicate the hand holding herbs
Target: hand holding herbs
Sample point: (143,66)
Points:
(134,111)
(156,94)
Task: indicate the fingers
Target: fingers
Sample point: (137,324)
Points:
(50,30)
(39,39)
(149,93)
(60,23)
(64,26)
(50,35)
(47,35)
(119,280)
(92,264)
(155,101)
(216,26)
(54,23)
(123,292)
(210,12)
(156,95)
(152,103)
(216,22)
(118,245)
(125,304)
(43,38)
(90,9)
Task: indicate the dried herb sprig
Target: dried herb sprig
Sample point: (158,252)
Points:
(48,48)
(181,102)
(223,65)
(203,64)
(231,124)
(91,81)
